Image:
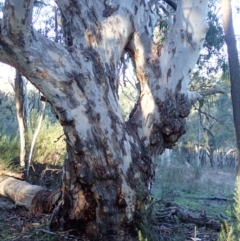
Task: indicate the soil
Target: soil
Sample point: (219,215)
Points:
(19,224)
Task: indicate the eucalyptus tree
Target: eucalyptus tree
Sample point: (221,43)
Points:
(207,81)
(45,23)
(234,68)
(110,163)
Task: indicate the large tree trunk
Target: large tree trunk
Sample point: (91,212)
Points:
(234,68)
(107,174)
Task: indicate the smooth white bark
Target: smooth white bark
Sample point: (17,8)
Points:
(35,137)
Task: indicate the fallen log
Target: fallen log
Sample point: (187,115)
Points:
(213,198)
(21,192)
(32,197)
(173,210)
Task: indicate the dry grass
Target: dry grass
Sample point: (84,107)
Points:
(207,181)
(221,182)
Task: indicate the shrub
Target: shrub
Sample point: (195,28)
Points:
(231,231)
(50,144)
(9,153)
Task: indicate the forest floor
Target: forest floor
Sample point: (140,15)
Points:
(209,191)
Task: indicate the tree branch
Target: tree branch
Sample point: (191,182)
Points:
(19,39)
(17,17)
(81,19)
(164,74)
(214,90)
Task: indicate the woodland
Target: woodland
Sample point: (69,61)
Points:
(119,120)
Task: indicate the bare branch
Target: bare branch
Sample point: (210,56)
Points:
(214,90)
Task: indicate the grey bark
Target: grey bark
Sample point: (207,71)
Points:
(234,68)
(21,100)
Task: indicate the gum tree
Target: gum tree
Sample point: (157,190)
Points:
(234,69)
(107,174)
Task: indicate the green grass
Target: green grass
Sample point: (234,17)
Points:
(174,180)
(231,231)
(9,153)
(49,147)
(190,188)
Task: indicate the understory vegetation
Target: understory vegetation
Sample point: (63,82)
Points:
(49,149)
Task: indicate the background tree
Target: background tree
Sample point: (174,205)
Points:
(110,163)
(46,23)
(209,79)
(234,68)
(22,111)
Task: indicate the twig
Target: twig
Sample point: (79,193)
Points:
(59,138)
(46,231)
(213,198)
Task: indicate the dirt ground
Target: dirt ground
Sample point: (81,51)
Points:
(220,177)
(18,224)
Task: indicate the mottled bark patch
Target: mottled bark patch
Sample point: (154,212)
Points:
(81,80)
(121,202)
(184,105)
(179,86)
(98,68)
(105,173)
(21,40)
(109,10)
(68,213)
(84,173)
(64,116)
(155,65)
(6,47)
(140,170)
(156,140)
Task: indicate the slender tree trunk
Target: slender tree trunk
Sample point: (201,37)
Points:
(234,68)
(21,100)
(211,156)
(36,132)
(199,140)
